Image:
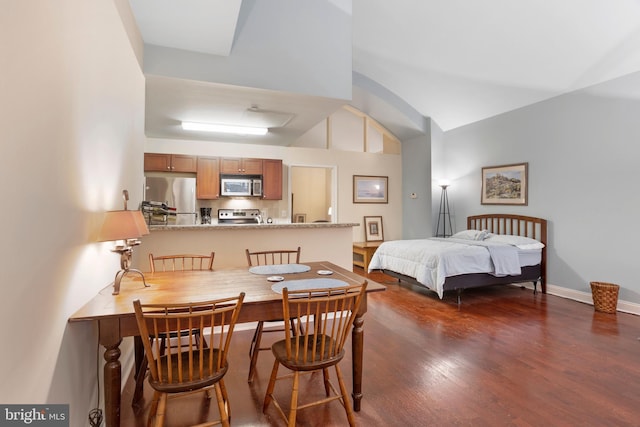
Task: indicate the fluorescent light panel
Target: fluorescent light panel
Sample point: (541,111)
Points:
(212,127)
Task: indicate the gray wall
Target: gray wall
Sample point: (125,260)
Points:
(416,179)
(299,47)
(583,151)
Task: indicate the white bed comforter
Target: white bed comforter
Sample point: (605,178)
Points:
(430,261)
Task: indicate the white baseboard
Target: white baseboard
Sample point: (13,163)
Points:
(585,297)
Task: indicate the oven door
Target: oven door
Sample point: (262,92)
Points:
(235,187)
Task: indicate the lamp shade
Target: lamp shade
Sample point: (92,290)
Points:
(122,225)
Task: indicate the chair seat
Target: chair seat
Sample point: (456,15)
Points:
(187,384)
(313,360)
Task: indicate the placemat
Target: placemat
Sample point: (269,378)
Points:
(297,285)
(279,269)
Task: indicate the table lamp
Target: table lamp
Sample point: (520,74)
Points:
(126,226)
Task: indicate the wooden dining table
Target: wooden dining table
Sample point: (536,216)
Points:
(116,320)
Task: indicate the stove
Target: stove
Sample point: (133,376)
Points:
(238,216)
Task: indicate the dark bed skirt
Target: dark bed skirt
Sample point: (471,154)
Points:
(477,280)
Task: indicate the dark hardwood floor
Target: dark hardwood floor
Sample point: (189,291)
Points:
(505,357)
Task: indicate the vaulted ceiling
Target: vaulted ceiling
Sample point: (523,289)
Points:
(455,61)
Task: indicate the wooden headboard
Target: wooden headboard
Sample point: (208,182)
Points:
(517,225)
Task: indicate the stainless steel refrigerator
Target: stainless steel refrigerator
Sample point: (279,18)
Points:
(178,193)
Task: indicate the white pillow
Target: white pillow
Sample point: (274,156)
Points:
(471,235)
(520,242)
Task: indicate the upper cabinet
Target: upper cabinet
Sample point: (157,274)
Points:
(158,162)
(241,166)
(272,179)
(208,178)
(209,169)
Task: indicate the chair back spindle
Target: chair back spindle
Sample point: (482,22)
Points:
(278,256)
(181,262)
(186,364)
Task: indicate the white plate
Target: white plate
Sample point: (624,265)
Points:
(275,278)
(325,272)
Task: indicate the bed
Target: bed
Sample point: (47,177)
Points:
(495,249)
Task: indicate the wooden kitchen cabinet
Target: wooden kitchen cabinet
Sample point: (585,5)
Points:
(241,166)
(160,162)
(208,178)
(272,179)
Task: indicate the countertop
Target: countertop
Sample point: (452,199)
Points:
(253,226)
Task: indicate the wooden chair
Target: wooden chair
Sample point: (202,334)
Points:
(327,316)
(280,256)
(181,262)
(176,262)
(187,368)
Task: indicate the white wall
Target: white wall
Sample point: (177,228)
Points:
(71,126)
(583,151)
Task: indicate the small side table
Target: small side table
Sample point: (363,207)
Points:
(365,250)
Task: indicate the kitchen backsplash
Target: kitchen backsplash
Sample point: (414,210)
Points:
(274,209)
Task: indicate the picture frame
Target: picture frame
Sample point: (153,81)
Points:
(370,189)
(300,217)
(373,229)
(505,184)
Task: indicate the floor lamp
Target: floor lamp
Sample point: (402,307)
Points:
(444,215)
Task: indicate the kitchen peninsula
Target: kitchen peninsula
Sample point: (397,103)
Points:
(319,241)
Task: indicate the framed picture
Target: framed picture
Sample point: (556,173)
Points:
(504,185)
(373,228)
(370,189)
(300,217)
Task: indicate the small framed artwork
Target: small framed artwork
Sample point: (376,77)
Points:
(504,185)
(373,229)
(370,189)
(300,217)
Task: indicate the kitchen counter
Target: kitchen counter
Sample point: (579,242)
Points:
(326,241)
(255,226)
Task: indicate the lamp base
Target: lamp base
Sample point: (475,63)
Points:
(120,274)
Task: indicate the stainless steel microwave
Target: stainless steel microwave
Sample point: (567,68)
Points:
(241,186)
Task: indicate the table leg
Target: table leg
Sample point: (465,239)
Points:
(110,339)
(357,342)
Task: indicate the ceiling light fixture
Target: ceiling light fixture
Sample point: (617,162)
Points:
(237,130)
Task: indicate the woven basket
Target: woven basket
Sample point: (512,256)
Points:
(605,296)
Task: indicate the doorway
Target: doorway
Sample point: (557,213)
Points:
(313,190)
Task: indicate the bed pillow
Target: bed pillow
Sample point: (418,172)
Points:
(520,242)
(471,235)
